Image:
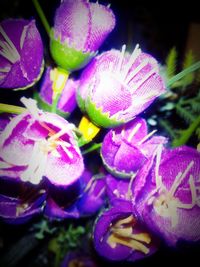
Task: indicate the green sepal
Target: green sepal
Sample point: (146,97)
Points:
(67,57)
(99,118)
(46,107)
(80,101)
(116,173)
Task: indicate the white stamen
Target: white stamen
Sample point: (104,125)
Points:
(193,194)
(136,70)
(144,79)
(134,55)
(123,132)
(108,6)
(23,36)
(69,154)
(57,135)
(158,159)
(134,131)
(147,137)
(31,105)
(34,173)
(10,44)
(6,69)
(179,178)
(121,59)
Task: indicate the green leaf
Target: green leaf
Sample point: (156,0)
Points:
(183,73)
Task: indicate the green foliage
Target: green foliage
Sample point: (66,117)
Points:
(188,61)
(184,103)
(65,240)
(171,62)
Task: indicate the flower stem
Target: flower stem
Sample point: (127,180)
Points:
(93,147)
(42,16)
(4,108)
(183,73)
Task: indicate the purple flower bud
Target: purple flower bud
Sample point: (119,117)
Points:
(89,201)
(118,189)
(116,87)
(44,144)
(67,100)
(80,28)
(21,54)
(126,149)
(168,200)
(19,202)
(119,236)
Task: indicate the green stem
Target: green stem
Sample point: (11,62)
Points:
(4,108)
(186,134)
(92,148)
(183,73)
(42,16)
(55,103)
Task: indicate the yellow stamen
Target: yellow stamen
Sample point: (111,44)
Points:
(113,240)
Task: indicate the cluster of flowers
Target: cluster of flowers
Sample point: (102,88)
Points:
(146,191)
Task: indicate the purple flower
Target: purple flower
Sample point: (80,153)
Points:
(89,201)
(126,149)
(80,27)
(67,100)
(77,258)
(118,189)
(119,236)
(21,54)
(115,87)
(41,144)
(20,202)
(166,194)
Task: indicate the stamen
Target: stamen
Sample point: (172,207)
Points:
(147,137)
(119,66)
(134,55)
(134,131)
(136,245)
(127,232)
(136,70)
(179,179)
(127,220)
(31,105)
(108,6)
(158,159)
(23,36)
(129,191)
(6,52)
(36,165)
(10,43)
(193,193)
(144,79)
(57,135)
(6,69)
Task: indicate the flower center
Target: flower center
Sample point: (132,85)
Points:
(166,204)
(122,233)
